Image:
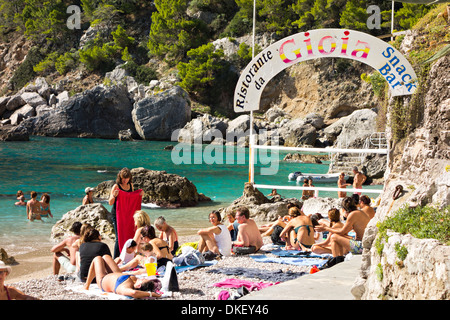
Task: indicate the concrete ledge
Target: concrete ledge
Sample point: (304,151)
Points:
(334,283)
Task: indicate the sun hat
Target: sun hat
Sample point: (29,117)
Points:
(3,266)
(88,189)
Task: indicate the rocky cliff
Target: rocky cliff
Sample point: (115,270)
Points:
(420,164)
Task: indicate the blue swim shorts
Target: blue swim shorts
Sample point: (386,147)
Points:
(356,246)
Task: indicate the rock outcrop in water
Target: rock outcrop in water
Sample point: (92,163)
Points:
(160,188)
(94,214)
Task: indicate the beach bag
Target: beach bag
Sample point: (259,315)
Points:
(189,257)
(169,282)
(192,257)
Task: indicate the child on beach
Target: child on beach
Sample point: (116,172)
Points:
(137,264)
(33,208)
(168,234)
(127,253)
(45,204)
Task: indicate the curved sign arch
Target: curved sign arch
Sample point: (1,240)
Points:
(321,43)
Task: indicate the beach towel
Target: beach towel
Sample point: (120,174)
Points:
(297,253)
(126,205)
(272,276)
(237,283)
(300,261)
(94,290)
(180,269)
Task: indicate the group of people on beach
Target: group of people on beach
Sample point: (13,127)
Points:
(338,234)
(85,254)
(36,210)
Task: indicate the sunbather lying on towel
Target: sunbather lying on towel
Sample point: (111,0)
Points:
(110,279)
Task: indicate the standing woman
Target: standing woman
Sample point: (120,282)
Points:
(123,183)
(45,206)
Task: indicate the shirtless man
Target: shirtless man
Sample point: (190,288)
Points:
(342,184)
(59,258)
(364,204)
(249,238)
(358,180)
(357,220)
(33,208)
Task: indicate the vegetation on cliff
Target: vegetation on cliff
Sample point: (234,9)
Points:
(173,33)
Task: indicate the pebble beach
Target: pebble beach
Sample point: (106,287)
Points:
(194,284)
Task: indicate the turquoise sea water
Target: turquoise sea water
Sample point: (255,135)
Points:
(64,167)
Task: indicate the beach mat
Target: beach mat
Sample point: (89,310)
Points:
(180,269)
(300,261)
(273,276)
(297,253)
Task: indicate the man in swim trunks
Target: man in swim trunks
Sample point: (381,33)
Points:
(358,180)
(341,243)
(249,238)
(59,258)
(33,208)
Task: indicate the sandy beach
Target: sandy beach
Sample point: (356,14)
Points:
(33,275)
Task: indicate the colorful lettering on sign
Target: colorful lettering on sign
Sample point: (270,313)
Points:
(361,49)
(333,45)
(365,50)
(296,52)
(308,44)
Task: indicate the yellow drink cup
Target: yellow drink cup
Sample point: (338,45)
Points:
(150,268)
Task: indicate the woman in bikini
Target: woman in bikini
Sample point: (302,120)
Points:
(8,292)
(335,223)
(299,232)
(168,234)
(160,247)
(45,206)
(110,279)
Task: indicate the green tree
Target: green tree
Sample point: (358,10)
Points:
(172,32)
(302,8)
(121,39)
(197,75)
(9,11)
(408,15)
(277,16)
(44,20)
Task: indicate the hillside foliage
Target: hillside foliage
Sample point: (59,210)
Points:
(178,33)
